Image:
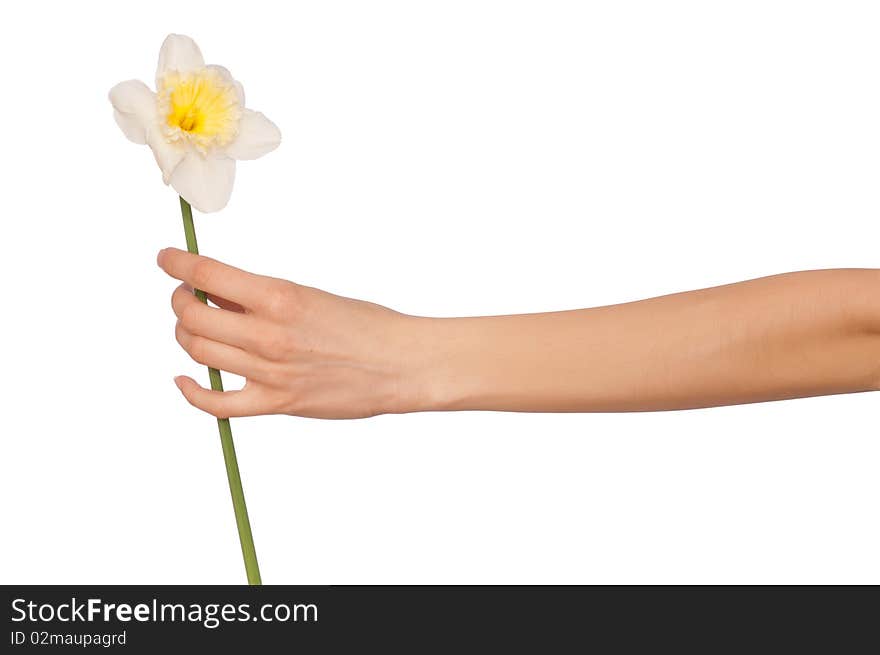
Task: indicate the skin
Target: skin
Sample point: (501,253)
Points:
(306,352)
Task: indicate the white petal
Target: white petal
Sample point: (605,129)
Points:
(179,53)
(131,127)
(168,155)
(257,135)
(204,182)
(224,72)
(134,109)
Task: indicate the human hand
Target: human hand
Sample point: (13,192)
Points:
(302,351)
(310,353)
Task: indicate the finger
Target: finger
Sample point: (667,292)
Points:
(222,404)
(200,319)
(212,276)
(222,303)
(220,355)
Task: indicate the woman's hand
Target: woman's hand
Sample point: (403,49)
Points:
(302,351)
(310,353)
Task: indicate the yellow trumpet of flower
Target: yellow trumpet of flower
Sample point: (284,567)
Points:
(197,126)
(195,123)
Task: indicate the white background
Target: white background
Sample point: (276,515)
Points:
(444,158)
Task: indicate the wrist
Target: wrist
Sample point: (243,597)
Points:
(464,364)
(437,364)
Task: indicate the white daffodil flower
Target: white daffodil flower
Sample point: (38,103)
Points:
(196,123)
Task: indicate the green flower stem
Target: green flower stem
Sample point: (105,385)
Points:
(241,515)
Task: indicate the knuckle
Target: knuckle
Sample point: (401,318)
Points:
(189,315)
(279,298)
(198,351)
(190,396)
(181,335)
(203,273)
(280,345)
(178,300)
(272,375)
(200,401)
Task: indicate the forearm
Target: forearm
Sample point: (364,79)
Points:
(785,336)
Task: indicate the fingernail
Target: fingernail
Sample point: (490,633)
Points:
(159,257)
(177,380)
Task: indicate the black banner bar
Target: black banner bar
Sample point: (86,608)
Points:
(156,619)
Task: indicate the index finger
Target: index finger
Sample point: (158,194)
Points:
(211,276)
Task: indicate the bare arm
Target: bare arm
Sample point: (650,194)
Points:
(309,353)
(786,336)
